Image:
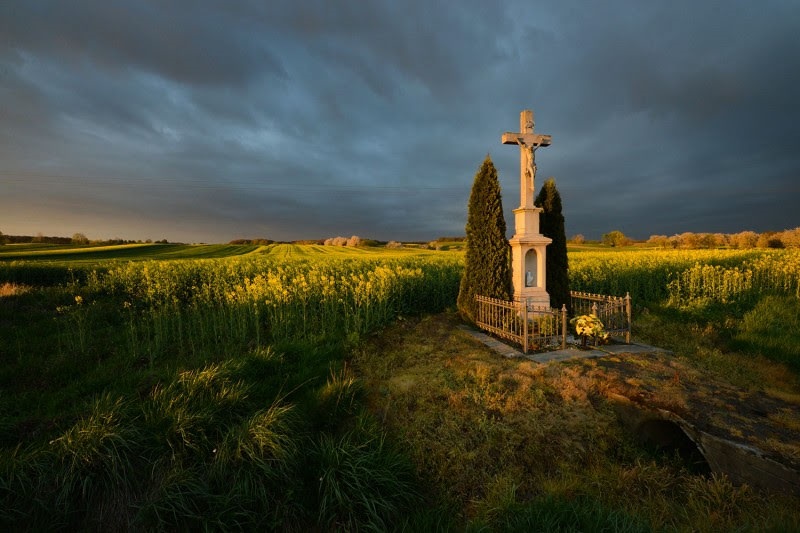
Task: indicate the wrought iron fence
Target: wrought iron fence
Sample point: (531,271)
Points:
(540,327)
(613,311)
(531,327)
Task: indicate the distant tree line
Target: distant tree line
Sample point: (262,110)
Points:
(258,242)
(789,238)
(22,239)
(77,238)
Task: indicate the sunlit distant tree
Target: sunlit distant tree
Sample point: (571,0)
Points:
(790,237)
(720,239)
(578,239)
(744,239)
(80,238)
(770,239)
(661,241)
(615,238)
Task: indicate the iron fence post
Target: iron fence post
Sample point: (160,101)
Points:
(525,327)
(628,314)
(563,326)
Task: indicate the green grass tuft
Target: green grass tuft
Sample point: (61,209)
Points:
(363,481)
(771,329)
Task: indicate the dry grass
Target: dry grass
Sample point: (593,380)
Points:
(487,433)
(13,289)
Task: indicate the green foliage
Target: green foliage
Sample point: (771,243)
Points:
(551,224)
(487,268)
(362,481)
(771,329)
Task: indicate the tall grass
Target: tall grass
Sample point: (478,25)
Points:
(197,394)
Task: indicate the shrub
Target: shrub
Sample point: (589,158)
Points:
(487,270)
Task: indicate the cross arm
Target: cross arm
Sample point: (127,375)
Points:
(526,139)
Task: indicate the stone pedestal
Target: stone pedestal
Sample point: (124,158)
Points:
(528,254)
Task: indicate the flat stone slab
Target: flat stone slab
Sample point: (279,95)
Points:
(500,347)
(559,355)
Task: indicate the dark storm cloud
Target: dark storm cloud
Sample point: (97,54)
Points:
(207,121)
(196,43)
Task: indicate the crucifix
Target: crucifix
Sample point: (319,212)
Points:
(528,245)
(528,142)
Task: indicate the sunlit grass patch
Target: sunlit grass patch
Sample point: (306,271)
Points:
(193,412)
(788,418)
(771,329)
(13,289)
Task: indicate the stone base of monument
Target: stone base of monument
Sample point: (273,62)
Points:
(534,299)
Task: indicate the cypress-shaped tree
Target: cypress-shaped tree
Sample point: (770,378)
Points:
(551,224)
(487,269)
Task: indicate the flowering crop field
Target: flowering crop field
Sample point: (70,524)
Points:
(243,293)
(268,297)
(685,277)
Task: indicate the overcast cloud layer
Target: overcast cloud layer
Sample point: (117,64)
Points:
(205,121)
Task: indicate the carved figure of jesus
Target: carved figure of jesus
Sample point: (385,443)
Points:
(531,164)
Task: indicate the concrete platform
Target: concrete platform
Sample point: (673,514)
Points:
(566,354)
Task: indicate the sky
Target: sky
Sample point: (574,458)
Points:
(207,121)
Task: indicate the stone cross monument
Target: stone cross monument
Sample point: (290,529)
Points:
(528,245)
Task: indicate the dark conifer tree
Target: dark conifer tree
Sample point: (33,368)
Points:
(487,269)
(551,224)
